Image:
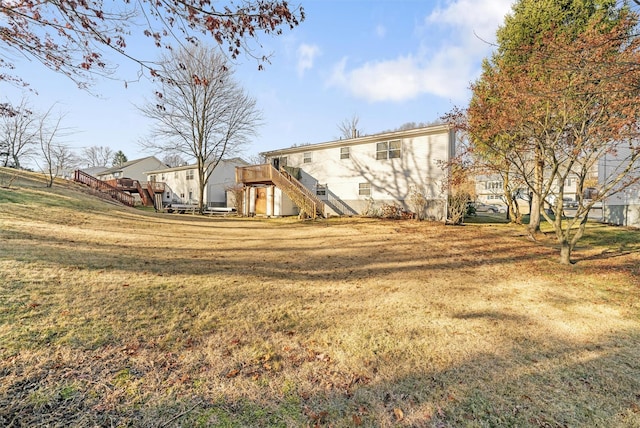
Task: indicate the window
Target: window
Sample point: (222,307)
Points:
(321,189)
(152,178)
(389,150)
(364,189)
(307,157)
(395,149)
(175,174)
(190,174)
(344,153)
(190,196)
(493,185)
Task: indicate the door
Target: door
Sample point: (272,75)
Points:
(261,200)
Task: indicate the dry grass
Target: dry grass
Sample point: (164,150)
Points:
(115,317)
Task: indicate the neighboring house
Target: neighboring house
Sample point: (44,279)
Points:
(94,170)
(490,190)
(134,170)
(181,183)
(623,207)
(352,176)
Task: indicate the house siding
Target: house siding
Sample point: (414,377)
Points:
(179,189)
(420,166)
(621,208)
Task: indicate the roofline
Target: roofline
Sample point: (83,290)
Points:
(127,164)
(361,140)
(195,166)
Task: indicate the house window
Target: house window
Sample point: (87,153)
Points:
(389,150)
(307,157)
(117,174)
(344,153)
(364,189)
(493,185)
(175,174)
(190,174)
(321,189)
(190,196)
(152,178)
(395,149)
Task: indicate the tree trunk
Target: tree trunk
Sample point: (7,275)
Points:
(534,215)
(565,252)
(536,200)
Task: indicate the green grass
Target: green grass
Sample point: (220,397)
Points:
(111,316)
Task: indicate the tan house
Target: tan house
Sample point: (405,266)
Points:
(134,170)
(352,176)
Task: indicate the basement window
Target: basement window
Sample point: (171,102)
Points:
(364,189)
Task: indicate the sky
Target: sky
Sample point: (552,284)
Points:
(386,62)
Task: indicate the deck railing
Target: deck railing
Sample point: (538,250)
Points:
(296,191)
(103,187)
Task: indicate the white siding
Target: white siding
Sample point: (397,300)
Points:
(419,166)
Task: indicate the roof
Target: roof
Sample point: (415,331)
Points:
(125,165)
(434,129)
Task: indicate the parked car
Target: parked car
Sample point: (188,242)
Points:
(502,209)
(569,203)
(485,208)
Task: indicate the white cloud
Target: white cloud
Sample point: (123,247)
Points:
(443,67)
(381,31)
(306,55)
(471,16)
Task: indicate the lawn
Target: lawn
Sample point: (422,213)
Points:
(111,316)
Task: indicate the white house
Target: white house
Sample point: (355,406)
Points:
(348,177)
(622,207)
(181,183)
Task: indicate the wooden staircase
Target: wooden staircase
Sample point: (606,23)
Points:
(309,204)
(103,187)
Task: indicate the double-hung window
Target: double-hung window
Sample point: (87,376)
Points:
(344,153)
(307,157)
(389,150)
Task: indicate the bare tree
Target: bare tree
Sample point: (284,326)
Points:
(201,112)
(56,154)
(18,132)
(173,160)
(349,127)
(97,156)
